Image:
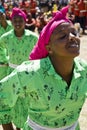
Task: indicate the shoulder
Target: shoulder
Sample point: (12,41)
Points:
(30,33)
(9,22)
(81,63)
(33,65)
(9,33)
(29,66)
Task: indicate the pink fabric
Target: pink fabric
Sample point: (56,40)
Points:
(39,51)
(18,12)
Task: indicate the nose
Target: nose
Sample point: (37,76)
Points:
(17,23)
(71,36)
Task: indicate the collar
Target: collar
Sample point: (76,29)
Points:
(77,72)
(78,68)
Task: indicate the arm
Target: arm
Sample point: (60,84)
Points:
(9,89)
(14,85)
(3,41)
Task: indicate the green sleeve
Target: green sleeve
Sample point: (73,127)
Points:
(10,89)
(2,42)
(3,55)
(14,85)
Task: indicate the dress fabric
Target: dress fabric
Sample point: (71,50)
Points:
(4,115)
(51,102)
(18,50)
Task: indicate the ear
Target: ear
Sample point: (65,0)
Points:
(48,48)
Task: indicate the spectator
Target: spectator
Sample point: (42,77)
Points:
(44,5)
(24,5)
(30,22)
(40,21)
(32,7)
(82,15)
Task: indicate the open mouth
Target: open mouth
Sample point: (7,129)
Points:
(17,26)
(74,46)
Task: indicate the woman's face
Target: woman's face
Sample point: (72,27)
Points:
(2,17)
(18,23)
(64,41)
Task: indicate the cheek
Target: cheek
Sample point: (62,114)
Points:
(60,48)
(2,17)
(22,23)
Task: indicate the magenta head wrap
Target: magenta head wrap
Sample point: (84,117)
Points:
(18,12)
(39,51)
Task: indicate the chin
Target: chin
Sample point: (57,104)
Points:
(76,54)
(73,55)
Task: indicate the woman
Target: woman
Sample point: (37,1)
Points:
(18,43)
(55,82)
(5,26)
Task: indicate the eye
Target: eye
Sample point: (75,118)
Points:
(63,36)
(74,33)
(1,13)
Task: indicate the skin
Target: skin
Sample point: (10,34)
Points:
(3,21)
(7,126)
(18,23)
(63,47)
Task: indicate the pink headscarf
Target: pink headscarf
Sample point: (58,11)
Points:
(19,12)
(39,51)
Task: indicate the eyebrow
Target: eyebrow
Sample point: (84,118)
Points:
(59,31)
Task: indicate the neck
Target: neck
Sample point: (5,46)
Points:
(63,67)
(4,24)
(19,33)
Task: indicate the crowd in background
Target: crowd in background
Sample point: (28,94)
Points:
(39,12)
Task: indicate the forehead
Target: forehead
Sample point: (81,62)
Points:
(63,27)
(17,17)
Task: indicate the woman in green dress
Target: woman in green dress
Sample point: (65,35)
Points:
(18,42)
(5,26)
(55,81)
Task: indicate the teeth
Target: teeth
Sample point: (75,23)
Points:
(74,45)
(17,26)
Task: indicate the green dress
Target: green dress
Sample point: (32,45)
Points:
(9,27)
(18,50)
(3,53)
(51,102)
(4,116)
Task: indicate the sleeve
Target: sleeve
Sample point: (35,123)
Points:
(2,42)
(3,50)
(4,57)
(10,89)
(14,85)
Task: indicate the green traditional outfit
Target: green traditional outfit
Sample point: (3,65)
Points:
(4,117)
(51,102)
(18,50)
(8,28)
(3,54)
